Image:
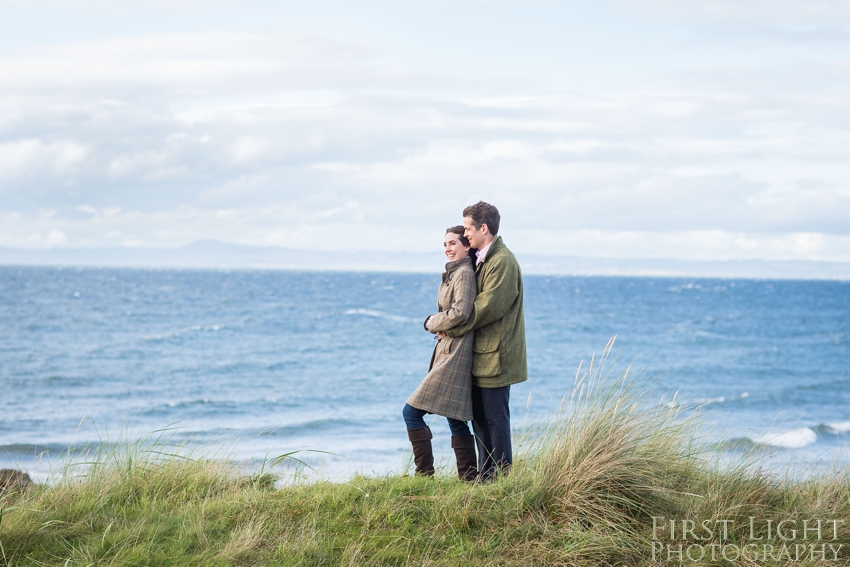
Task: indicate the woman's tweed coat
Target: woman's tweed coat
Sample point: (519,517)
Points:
(447,389)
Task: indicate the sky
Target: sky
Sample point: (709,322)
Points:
(712,130)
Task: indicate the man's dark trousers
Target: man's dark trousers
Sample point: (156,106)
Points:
(491,422)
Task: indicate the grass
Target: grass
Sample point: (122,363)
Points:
(586,489)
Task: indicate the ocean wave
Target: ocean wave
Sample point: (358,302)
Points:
(379,315)
(188,403)
(721,399)
(680,288)
(186,330)
(709,334)
(706,401)
(223,403)
(38,449)
(792,439)
(283,364)
(297,427)
(835,428)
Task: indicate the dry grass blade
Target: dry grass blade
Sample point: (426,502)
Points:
(610,456)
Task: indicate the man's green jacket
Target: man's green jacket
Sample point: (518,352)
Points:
(497,318)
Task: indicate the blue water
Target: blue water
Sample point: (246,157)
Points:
(254,364)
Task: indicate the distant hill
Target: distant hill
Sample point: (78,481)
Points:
(216,254)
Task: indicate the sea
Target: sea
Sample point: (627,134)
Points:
(306,373)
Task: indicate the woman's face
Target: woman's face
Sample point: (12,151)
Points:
(455,250)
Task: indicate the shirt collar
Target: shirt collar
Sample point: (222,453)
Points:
(481,254)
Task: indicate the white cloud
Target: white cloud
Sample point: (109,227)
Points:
(185,65)
(56,238)
(686,244)
(35,157)
(759,12)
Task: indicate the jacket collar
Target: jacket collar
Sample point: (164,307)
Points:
(455,264)
(494,247)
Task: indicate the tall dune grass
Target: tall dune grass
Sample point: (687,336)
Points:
(586,489)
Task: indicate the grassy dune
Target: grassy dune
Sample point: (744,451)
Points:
(598,486)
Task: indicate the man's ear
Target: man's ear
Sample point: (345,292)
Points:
(484,228)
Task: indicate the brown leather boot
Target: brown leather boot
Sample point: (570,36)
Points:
(467,464)
(423,455)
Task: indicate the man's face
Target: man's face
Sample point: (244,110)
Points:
(476,236)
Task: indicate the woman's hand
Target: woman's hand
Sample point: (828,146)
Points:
(441,335)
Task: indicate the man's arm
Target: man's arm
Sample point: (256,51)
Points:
(461,308)
(499,291)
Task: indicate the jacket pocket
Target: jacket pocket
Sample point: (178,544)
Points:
(486,364)
(487,338)
(485,348)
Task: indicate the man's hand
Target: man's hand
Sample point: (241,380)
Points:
(441,335)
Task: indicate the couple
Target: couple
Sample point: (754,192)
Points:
(480,350)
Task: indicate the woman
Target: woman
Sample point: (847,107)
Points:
(447,389)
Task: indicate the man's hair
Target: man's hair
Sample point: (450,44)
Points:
(483,213)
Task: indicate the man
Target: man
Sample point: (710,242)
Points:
(498,358)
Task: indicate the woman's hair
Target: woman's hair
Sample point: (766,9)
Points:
(458,231)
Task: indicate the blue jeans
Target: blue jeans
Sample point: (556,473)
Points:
(413,419)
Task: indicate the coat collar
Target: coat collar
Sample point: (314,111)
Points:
(455,264)
(494,247)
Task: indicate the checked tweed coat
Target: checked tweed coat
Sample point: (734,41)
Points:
(447,389)
(498,320)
